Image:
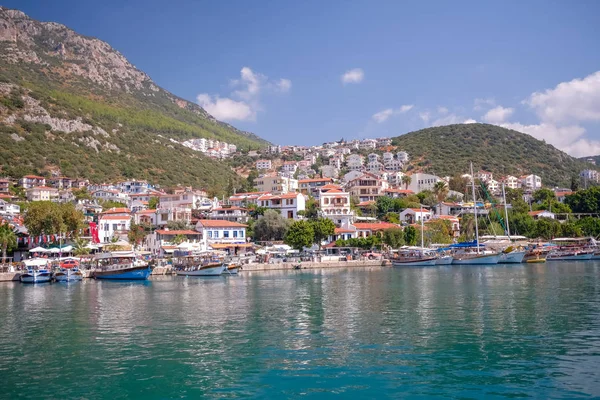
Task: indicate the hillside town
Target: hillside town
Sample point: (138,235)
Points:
(352,191)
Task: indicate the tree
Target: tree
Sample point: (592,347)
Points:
(438,231)
(384,205)
(254,210)
(440,189)
(177,225)
(410,235)
(426,197)
(153,203)
(590,226)
(547,228)
(47,218)
(178,239)
(8,239)
(108,204)
(322,229)
(585,201)
(574,183)
(80,247)
(136,233)
(81,194)
(311,209)
(406,181)
(300,235)
(458,184)
(521,224)
(393,237)
(570,229)
(272,226)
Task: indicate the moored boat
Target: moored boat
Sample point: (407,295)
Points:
(414,257)
(212,269)
(476,259)
(512,257)
(33,275)
(557,255)
(572,249)
(120,265)
(444,260)
(68,275)
(232,269)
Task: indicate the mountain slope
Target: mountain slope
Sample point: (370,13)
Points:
(447,150)
(595,158)
(72,103)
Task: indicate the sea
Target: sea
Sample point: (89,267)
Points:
(464,332)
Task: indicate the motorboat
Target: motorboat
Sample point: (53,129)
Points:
(414,257)
(36,271)
(120,265)
(207,264)
(572,249)
(68,275)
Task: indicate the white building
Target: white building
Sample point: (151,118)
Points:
(354,162)
(160,242)
(263,164)
(395,178)
(373,157)
(193,199)
(7,208)
(289,167)
(42,193)
(420,182)
(511,182)
(531,182)
(276,184)
(134,186)
(330,171)
(368,144)
(374,166)
(414,215)
(493,186)
(335,205)
(111,195)
(590,175)
(221,232)
(288,204)
(29,181)
(111,225)
(402,156)
(484,176)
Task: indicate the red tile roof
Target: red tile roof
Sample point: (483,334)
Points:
(176,232)
(115,217)
(374,226)
(314,180)
(117,210)
(213,223)
(343,230)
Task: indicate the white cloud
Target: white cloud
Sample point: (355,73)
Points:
(480,104)
(567,138)
(577,100)
(425,115)
(470,121)
(244,103)
(226,109)
(284,85)
(442,110)
(355,75)
(498,115)
(384,115)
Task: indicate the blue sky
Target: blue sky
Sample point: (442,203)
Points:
(276,68)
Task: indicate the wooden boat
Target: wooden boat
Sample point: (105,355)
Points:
(120,265)
(535,260)
(232,269)
(68,275)
(210,269)
(481,258)
(414,257)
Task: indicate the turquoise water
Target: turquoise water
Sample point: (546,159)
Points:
(462,332)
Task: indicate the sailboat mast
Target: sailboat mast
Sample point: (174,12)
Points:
(475,209)
(422,246)
(505,211)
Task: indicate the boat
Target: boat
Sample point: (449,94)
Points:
(537,260)
(596,255)
(512,256)
(232,269)
(68,275)
(572,249)
(36,271)
(120,265)
(208,264)
(472,253)
(36,275)
(414,257)
(444,259)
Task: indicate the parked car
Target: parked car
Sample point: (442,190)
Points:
(372,255)
(69,264)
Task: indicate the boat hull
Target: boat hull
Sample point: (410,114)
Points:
(445,260)
(428,262)
(574,257)
(210,271)
(68,276)
(536,261)
(596,256)
(514,257)
(36,278)
(477,260)
(132,273)
(233,270)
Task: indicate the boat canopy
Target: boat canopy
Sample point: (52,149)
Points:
(462,245)
(36,262)
(497,237)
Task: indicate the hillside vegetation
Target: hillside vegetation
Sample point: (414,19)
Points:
(74,105)
(448,150)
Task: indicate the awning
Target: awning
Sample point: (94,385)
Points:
(229,245)
(64,249)
(38,250)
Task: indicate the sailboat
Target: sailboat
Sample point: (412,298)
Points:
(415,256)
(466,255)
(510,255)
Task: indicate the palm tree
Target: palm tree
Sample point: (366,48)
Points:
(80,247)
(440,189)
(8,239)
(406,180)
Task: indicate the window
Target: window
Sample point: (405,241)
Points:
(210,234)
(225,234)
(235,234)
(241,234)
(114,227)
(216,234)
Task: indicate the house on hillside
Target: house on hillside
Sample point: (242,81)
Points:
(223,235)
(230,213)
(531,182)
(414,215)
(366,229)
(29,181)
(287,204)
(275,184)
(42,193)
(367,187)
(542,214)
(263,164)
(160,242)
(310,187)
(335,205)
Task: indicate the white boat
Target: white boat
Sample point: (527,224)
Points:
(68,275)
(569,256)
(214,269)
(36,276)
(444,260)
(232,269)
(512,257)
(414,257)
(572,249)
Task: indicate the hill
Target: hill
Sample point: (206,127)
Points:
(447,150)
(595,158)
(74,105)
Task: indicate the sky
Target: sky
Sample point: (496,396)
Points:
(307,72)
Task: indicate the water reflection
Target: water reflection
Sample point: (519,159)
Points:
(464,331)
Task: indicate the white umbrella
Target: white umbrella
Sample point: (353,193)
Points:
(38,250)
(36,262)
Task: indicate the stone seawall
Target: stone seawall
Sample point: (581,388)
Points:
(312,265)
(9,276)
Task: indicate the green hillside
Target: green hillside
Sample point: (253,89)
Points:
(595,158)
(74,105)
(447,150)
